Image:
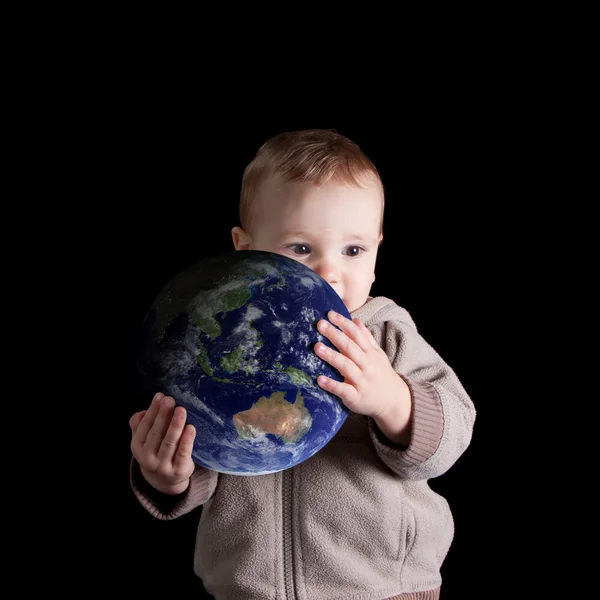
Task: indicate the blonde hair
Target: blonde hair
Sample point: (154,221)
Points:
(313,156)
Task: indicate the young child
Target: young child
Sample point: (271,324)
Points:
(357,520)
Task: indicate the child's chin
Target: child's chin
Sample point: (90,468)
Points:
(354,305)
(350,307)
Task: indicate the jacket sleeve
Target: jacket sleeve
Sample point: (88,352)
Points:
(166,508)
(443,414)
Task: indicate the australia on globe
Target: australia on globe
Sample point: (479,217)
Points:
(232,339)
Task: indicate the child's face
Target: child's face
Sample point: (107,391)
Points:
(334,229)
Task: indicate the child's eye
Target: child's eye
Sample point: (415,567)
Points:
(354,250)
(301,249)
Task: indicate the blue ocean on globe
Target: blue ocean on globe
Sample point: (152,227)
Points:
(232,339)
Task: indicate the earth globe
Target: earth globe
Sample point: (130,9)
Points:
(232,339)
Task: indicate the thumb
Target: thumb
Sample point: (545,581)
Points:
(136,419)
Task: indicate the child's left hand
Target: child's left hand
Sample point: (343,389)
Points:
(371,387)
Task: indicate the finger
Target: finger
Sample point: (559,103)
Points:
(169,444)
(366,332)
(184,450)
(161,424)
(342,342)
(346,392)
(351,329)
(148,420)
(342,363)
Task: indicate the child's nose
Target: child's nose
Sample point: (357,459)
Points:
(328,270)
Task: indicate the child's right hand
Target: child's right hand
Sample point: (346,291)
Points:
(162,444)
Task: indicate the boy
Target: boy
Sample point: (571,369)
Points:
(358,519)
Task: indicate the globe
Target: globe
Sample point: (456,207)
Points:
(232,339)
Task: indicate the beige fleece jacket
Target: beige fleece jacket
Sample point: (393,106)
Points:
(356,521)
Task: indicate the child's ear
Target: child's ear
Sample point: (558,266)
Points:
(241,239)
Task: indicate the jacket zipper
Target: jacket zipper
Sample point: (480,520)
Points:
(288,543)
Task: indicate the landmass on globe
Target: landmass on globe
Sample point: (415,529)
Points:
(274,415)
